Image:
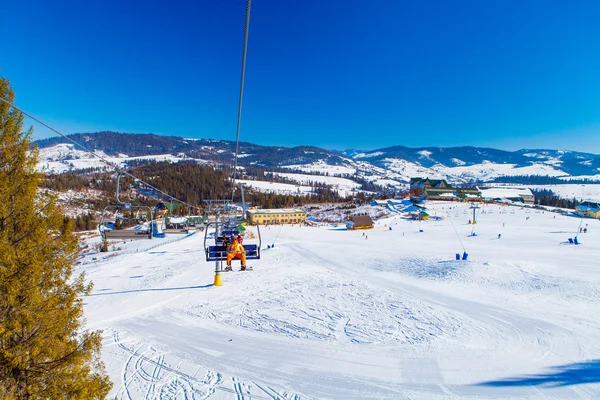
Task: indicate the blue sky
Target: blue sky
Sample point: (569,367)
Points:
(330,73)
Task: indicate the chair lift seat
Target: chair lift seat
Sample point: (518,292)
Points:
(219,252)
(176,230)
(127,234)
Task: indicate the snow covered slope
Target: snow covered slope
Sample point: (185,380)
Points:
(65,157)
(393,165)
(333,314)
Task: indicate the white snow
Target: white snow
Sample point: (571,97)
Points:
(323,167)
(424,153)
(328,314)
(368,155)
(278,188)
(579,191)
(504,192)
(488,171)
(591,177)
(65,157)
(345,187)
(406,169)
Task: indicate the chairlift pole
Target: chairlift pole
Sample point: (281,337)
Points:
(474,207)
(243,201)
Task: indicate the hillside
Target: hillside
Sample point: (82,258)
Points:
(392,166)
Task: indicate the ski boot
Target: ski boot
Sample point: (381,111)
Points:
(228,269)
(243,268)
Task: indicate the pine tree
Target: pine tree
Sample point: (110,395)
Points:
(44,351)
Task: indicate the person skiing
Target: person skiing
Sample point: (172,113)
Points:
(237,251)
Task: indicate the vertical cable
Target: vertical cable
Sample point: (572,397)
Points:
(239,118)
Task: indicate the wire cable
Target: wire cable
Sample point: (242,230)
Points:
(111,164)
(277,235)
(239,117)
(55,131)
(457,235)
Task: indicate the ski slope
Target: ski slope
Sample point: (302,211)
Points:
(330,314)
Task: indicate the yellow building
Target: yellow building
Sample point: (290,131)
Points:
(590,209)
(276,216)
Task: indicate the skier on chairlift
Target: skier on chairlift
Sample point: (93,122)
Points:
(237,251)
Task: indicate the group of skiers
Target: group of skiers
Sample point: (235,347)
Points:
(235,249)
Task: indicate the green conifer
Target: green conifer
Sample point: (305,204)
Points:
(45,353)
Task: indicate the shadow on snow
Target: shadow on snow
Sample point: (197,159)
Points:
(564,375)
(151,290)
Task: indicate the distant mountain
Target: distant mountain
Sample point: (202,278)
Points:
(387,166)
(568,162)
(138,145)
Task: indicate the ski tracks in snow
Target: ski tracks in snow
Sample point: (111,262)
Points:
(147,375)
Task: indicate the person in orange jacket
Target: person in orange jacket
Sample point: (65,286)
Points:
(237,251)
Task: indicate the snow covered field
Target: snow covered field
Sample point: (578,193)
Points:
(330,314)
(586,192)
(345,187)
(65,157)
(275,187)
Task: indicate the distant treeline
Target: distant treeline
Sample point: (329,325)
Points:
(187,181)
(546,197)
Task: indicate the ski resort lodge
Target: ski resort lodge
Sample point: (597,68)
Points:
(276,216)
(360,222)
(439,189)
(589,209)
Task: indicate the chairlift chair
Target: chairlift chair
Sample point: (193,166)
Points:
(218,251)
(113,233)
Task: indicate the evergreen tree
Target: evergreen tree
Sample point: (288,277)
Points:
(44,351)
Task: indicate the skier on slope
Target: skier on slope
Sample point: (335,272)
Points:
(237,251)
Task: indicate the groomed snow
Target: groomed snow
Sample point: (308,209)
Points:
(330,314)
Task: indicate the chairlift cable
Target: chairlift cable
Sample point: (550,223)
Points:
(55,131)
(109,163)
(457,235)
(239,117)
(277,234)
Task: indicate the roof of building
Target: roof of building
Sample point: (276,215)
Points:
(589,206)
(420,182)
(361,220)
(505,192)
(276,211)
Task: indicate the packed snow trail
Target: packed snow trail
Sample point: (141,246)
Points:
(328,314)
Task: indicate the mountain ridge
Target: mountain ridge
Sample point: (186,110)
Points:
(396,163)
